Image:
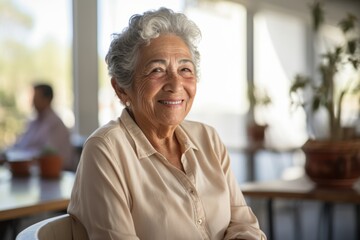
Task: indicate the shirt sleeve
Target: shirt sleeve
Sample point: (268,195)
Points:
(243,223)
(98,183)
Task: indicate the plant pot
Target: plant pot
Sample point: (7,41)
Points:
(50,166)
(20,167)
(332,163)
(20,161)
(256,133)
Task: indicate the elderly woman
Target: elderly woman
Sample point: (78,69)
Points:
(151,174)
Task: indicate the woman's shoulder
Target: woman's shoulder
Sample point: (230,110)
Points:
(105,131)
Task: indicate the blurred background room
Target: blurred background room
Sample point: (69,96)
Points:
(251,51)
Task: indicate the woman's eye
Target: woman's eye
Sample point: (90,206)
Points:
(155,70)
(186,72)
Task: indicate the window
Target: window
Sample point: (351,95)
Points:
(278,58)
(35,40)
(221,100)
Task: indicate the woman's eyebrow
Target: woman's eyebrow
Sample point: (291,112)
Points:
(161,61)
(186,60)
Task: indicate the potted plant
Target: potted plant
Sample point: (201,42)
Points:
(333,159)
(50,163)
(20,162)
(256,131)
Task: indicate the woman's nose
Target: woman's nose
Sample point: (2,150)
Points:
(174,82)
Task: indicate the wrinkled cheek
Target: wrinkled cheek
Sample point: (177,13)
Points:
(147,107)
(192,95)
(143,99)
(188,106)
(193,89)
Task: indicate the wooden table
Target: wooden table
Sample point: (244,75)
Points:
(26,196)
(303,189)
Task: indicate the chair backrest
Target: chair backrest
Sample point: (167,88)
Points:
(56,228)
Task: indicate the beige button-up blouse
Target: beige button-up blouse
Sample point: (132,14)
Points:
(125,189)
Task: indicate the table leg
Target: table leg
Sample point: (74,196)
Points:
(269,206)
(327,209)
(357,217)
(250,158)
(297,221)
(4,226)
(9,227)
(14,228)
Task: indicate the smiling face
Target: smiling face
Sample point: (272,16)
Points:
(164,84)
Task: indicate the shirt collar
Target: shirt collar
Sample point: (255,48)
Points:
(143,147)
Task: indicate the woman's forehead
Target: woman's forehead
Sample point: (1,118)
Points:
(163,46)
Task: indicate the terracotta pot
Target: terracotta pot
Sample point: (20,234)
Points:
(50,166)
(20,168)
(332,163)
(20,161)
(256,133)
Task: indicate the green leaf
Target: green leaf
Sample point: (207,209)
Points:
(351,46)
(355,62)
(48,151)
(316,104)
(317,14)
(348,23)
(299,83)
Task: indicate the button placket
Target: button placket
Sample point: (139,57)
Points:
(188,181)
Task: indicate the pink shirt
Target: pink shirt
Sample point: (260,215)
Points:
(125,189)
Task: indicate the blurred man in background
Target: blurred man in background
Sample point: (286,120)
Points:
(46,131)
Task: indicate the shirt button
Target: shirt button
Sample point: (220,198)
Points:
(199,221)
(191,191)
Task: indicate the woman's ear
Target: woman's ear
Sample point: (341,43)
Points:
(118,90)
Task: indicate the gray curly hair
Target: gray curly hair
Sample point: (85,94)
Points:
(124,48)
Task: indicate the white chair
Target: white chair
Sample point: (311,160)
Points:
(62,227)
